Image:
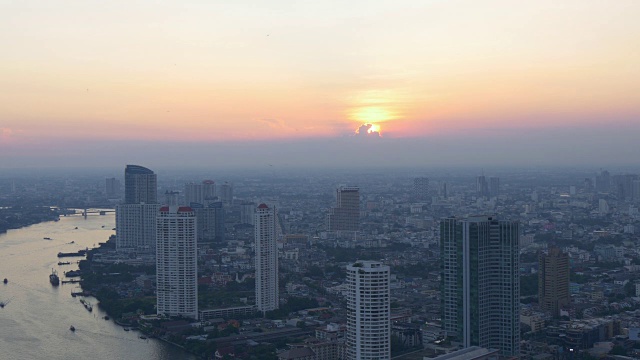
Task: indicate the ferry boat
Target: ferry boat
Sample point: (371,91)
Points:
(53,278)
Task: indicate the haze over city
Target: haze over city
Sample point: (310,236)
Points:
(293,84)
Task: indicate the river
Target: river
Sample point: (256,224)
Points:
(34,324)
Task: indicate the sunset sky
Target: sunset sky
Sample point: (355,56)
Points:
(83,79)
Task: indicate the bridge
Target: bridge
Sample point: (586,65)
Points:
(87,211)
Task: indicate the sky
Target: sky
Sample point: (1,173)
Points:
(295,83)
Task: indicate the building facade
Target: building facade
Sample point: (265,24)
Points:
(480,282)
(198,193)
(368,334)
(553,281)
(210,217)
(176,262)
(421,189)
(140,185)
(136,227)
(266,259)
(136,218)
(112,188)
(346,215)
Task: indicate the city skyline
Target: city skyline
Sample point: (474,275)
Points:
(103,81)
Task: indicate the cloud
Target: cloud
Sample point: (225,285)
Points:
(367,130)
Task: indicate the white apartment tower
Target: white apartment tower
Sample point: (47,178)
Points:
(176,262)
(266,261)
(368,311)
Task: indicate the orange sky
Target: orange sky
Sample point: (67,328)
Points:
(220,70)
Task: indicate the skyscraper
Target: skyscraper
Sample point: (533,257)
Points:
(136,218)
(225,193)
(198,193)
(420,188)
(553,281)
(247,211)
(482,187)
(136,227)
(210,217)
(346,215)
(176,262)
(266,261)
(112,188)
(368,311)
(480,282)
(140,185)
(603,182)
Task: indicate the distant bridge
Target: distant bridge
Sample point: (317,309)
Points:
(87,211)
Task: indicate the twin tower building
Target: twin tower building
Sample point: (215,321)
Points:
(171,233)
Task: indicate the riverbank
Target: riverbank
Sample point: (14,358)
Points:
(17,217)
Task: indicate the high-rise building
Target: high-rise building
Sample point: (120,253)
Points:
(176,262)
(225,193)
(421,188)
(140,185)
(247,210)
(136,218)
(553,281)
(480,282)
(482,187)
(266,260)
(198,193)
(346,215)
(112,188)
(603,182)
(368,311)
(171,198)
(210,217)
(136,227)
(494,186)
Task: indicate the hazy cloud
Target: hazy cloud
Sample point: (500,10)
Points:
(366,130)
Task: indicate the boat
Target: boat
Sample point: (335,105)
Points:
(72,328)
(73,273)
(47,238)
(5,280)
(126,329)
(63,263)
(142,337)
(53,278)
(86,305)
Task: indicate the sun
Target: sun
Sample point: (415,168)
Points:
(374,128)
(371,114)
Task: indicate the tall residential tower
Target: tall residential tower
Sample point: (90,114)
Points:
(480,282)
(266,260)
(368,311)
(553,281)
(176,262)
